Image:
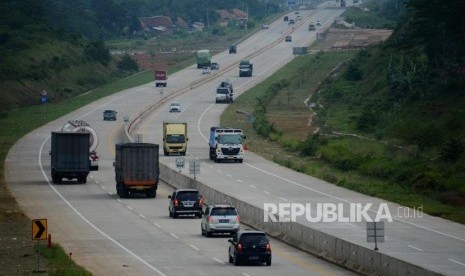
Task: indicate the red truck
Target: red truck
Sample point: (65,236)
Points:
(161,78)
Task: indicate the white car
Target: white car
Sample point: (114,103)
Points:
(175,107)
(206,70)
(265,26)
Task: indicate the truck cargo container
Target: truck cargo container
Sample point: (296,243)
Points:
(174,138)
(69,156)
(161,78)
(203,59)
(82,126)
(136,169)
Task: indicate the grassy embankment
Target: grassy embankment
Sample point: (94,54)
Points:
(375,166)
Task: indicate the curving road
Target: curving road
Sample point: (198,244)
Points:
(111,236)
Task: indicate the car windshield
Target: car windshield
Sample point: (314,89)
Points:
(230,139)
(188,195)
(255,238)
(244,66)
(175,138)
(224,211)
(222,91)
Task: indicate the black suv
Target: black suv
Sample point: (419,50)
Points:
(185,202)
(109,115)
(249,246)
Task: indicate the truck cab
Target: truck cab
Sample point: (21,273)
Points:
(224,92)
(174,138)
(226,144)
(245,68)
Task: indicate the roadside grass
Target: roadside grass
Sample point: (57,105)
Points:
(14,124)
(370,166)
(60,263)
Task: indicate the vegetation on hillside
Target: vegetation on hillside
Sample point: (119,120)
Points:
(57,46)
(388,121)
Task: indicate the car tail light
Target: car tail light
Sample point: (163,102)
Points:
(210,219)
(268,247)
(238,219)
(201,201)
(239,247)
(176,203)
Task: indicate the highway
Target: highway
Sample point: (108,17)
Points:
(112,236)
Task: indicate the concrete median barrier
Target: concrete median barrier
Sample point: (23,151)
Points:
(344,253)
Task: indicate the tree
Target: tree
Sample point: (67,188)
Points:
(96,51)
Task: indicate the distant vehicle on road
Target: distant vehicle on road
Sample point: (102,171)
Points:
(288,38)
(311,26)
(161,78)
(291,22)
(232,49)
(265,26)
(175,107)
(318,23)
(206,70)
(109,115)
(215,66)
(203,58)
(286,18)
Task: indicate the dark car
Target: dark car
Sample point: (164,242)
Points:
(109,115)
(185,202)
(288,38)
(215,66)
(249,246)
(232,49)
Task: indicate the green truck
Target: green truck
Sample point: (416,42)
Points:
(203,58)
(245,68)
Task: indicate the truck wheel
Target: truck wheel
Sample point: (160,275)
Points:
(240,160)
(217,160)
(124,192)
(151,193)
(165,153)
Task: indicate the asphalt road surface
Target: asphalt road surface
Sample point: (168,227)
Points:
(112,236)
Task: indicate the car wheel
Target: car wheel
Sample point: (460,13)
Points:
(170,213)
(208,233)
(236,261)
(174,214)
(230,258)
(268,263)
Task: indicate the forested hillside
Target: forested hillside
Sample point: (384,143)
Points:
(58,45)
(389,122)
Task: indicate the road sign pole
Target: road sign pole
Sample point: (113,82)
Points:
(38,255)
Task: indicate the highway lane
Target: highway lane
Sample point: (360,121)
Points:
(110,236)
(423,240)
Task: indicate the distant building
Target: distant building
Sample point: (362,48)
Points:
(159,24)
(234,15)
